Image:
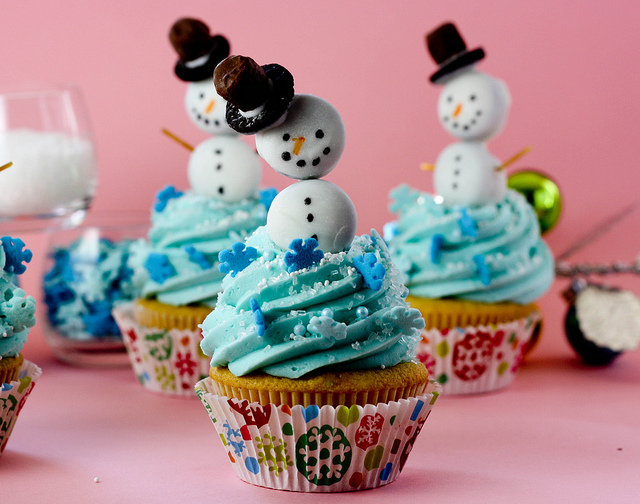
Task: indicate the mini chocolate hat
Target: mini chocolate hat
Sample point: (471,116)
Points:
(448,50)
(199,52)
(257,96)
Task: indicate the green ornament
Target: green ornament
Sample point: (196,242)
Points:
(542,193)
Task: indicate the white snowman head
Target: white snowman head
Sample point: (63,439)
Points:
(308,143)
(313,209)
(473,105)
(206,108)
(224,168)
(465,174)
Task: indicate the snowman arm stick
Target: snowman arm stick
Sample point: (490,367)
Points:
(4,167)
(513,158)
(177,139)
(427,167)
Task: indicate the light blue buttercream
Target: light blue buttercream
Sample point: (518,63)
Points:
(489,253)
(209,226)
(324,299)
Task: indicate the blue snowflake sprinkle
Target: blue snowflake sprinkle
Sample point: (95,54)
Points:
(99,321)
(15,256)
(437,243)
(302,255)
(483,269)
(164,195)
(372,272)
(159,267)
(238,258)
(267,195)
(390,231)
(258,316)
(467,225)
(197,257)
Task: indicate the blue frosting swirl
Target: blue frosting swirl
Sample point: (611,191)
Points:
(489,253)
(345,311)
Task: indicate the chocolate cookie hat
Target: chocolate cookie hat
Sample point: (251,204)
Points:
(199,52)
(449,51)
(257,96)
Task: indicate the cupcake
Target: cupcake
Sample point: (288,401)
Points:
(314,384)
(17,376)
(179,265)
(471,255)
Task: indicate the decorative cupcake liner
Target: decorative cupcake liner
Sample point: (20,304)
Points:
(165,361)
(317,449)
(478,359)
(13,395)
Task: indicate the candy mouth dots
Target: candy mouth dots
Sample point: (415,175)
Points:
(312,344)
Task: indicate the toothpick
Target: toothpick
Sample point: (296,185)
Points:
(513,158)
(4,167)
(427,167)
(177,139)
(598,230)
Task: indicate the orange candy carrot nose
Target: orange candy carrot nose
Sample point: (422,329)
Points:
(210,106)
(298,145)
(458,109)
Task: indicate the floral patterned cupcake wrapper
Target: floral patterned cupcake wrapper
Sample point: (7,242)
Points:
(165,361)
(13,395)
(317,449)
(476,359)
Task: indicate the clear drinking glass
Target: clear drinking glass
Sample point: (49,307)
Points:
(46,134)
(88,270)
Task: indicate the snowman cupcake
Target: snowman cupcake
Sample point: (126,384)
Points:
(178,267)
(471,256)
(312,344)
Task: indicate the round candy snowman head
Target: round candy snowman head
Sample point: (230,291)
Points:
(473,105)
(206,108)
(308,143)
(313,209)
(224,168)
(465,174)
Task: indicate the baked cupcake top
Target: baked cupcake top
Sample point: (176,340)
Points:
(188,231)
(288,313)
(489,253)
(17,310)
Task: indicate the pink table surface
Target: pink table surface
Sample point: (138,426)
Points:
(560,433)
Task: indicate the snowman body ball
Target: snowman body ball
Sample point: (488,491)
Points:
(465,175)
(224,168)
(301,136)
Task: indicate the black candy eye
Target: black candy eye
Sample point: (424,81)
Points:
(221,190)
(319,134)
(286,137)
(201,96)
(286,156)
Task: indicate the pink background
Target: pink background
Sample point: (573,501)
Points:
(572,72)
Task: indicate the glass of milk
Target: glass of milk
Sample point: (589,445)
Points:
(46,134)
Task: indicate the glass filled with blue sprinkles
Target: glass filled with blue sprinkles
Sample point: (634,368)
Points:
(88,271)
